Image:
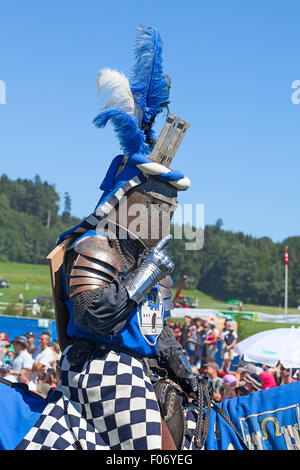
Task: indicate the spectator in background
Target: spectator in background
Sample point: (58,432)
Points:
(177,330)
(3,335)
(6,374)
(210,342)
(5,354)
(54,346)
(243,368)
(185,330)
(285,376)
(43,357)
(44,378)
(198,350)
(212,370)
(44,383)
(25,377)
(229,383)
(22,358)
(268,379)
(276,372)
(204,333)
(31,337)
(253,383)
(229,339)
(191,343)
(53,378)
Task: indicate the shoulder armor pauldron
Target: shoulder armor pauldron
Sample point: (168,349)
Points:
(96,265)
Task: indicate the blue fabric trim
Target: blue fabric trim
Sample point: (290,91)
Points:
(107,183)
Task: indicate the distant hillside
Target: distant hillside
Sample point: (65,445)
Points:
(29,220)
(237,266)
(230,265)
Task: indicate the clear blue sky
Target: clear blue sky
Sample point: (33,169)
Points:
(232,64)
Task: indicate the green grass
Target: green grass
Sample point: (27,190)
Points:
(37,278)
(20,275)
(245,327)
(206,301)
(248,328)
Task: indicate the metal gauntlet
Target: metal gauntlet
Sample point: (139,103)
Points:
(154,267)
(181,371)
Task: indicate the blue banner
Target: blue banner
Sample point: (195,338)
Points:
(19,411)
(266,420)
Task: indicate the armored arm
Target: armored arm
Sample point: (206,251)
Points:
(154,267)
(93,279)
(102,299)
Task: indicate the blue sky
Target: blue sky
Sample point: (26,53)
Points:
(232,65)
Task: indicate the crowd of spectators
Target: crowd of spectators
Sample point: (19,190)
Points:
(199,338)
(22,361)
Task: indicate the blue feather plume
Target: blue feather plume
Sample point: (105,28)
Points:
(150,87)
(132,138)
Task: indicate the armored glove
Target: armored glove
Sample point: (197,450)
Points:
(154,267)
(181,371)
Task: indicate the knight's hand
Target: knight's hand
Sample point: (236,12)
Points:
(191,385)
(155,266)
(159,257)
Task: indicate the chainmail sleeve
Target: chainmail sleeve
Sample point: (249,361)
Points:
(103,310)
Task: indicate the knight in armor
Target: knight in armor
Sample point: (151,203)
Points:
(121,365)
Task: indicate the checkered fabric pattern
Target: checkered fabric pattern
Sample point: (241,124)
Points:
(190,413)
(106,404)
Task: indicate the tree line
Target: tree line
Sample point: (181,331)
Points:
(238,266)
(29,219)
(230,265)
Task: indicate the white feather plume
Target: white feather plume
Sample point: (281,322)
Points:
(116,93)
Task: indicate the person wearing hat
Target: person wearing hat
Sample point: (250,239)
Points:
(211,369)
(229,339)
(253,383)
(5,373)
(22,358)
(242,369)
(229,383)
(31,337)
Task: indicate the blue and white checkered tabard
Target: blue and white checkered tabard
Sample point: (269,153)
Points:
(107,404)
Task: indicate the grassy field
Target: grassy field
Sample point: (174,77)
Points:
(29,279)
(34,280)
